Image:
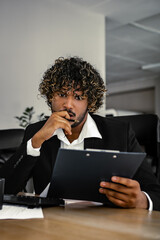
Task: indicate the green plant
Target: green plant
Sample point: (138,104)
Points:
(27,116)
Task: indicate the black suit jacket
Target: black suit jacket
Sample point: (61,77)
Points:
(116,135)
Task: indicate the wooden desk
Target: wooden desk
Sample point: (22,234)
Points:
(78,222)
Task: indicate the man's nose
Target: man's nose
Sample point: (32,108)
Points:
(68,103)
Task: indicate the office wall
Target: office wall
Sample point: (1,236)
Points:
(140,101)
(139,95)
(33,34)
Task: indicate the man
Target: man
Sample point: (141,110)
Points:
(73,89)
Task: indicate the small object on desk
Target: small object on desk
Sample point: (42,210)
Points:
(20,212)
(32,201)
(2,182)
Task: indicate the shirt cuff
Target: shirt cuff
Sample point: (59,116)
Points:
(150,208)
(35,152)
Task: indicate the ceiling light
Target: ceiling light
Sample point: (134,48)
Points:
(150,66)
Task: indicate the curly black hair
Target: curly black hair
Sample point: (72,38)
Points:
(71,73)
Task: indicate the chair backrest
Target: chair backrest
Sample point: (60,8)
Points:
(10,140)
(147,131)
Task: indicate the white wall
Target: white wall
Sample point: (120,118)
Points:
(33,34)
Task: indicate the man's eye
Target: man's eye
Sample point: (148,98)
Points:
(78,97)
(62,94)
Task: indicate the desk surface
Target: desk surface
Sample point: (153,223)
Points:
(79,222)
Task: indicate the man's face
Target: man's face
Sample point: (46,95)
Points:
(73,102)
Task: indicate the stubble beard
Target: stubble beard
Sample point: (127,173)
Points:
(79,120)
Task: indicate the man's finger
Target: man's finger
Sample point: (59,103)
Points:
(123,181)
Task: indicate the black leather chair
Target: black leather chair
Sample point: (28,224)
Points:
(147,131)
(10,140)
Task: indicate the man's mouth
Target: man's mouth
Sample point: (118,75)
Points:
(72,114)
(72,120)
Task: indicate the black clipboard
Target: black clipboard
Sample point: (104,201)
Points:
(78,173)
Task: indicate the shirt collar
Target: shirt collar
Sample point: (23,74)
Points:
(89,130)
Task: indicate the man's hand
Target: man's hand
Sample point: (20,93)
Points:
(55,121)
(124,192)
